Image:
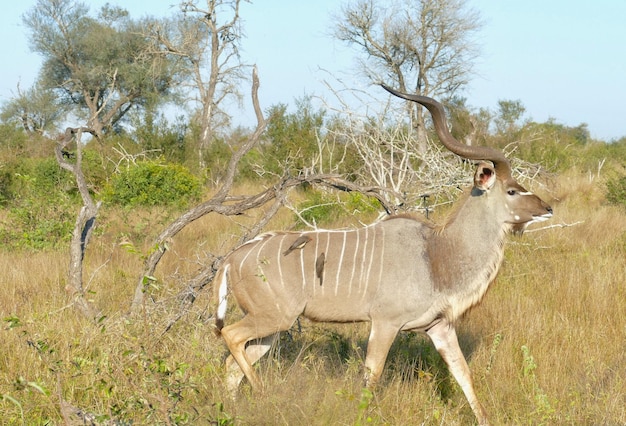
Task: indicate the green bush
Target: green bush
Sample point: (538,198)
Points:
(616,190)
(151,183)
(292,137)
(322,208)
(5,187)
(38,177)
(40,201)
(38,226)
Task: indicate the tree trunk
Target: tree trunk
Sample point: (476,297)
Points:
(84,226)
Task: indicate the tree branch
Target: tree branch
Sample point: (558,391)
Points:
(215,204)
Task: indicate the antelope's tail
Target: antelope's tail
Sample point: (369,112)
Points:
(222,303)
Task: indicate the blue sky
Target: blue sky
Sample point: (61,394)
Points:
(563,59)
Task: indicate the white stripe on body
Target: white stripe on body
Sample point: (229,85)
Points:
(243,261)
(259,261)
(302,269)
(381,256)
(313,270)
(356,251)
(279,260)
(340,263)
(369,266)
(361,277)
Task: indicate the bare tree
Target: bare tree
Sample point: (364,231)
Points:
(391,160)
(422,47)
(208,40)
(217,203)
(414,178)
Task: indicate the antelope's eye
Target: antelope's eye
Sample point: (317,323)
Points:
(511,192)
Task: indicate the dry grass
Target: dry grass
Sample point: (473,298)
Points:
(546,346)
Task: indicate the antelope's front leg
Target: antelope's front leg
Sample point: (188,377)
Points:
(445,339)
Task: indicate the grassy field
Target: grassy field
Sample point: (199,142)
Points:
(546,346)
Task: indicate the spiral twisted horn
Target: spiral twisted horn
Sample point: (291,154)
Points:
(500,162)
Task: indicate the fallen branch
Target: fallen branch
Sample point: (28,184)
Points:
(557,225)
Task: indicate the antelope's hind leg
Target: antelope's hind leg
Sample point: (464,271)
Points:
(254,351)
(252,327)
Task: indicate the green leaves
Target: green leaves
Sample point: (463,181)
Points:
(616,190)
(102,65)
(13,321)
(152,183)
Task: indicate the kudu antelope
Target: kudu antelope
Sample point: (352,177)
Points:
(400,274)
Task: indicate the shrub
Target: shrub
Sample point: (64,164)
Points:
(39,197)
(151,183)
(5,186)
(38,226)
(322,208)
(616,190)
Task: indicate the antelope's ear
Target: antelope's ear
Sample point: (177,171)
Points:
(485,176)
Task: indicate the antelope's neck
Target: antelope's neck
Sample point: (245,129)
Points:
(465,257)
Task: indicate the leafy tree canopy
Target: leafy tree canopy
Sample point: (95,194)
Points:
(102,66)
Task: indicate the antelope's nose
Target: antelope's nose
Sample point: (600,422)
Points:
(547,207)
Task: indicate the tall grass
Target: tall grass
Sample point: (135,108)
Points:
(546,346)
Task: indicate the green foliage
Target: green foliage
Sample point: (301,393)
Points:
(117,367)
(543,406)
(355,202)
(509,114)
(323,208)
(152,183)
(39,196)
(616,190)
(364,405)
(6,180)
(88,61)
(464,121)
(96,168)
(154,133)
(557,147)
(216,158)
(319,208)
(12,140)
(497,339)
(44,176)
(292,136)
(218,154)
(36,110)
(38,226)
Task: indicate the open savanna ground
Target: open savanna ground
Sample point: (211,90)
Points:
(546,346)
